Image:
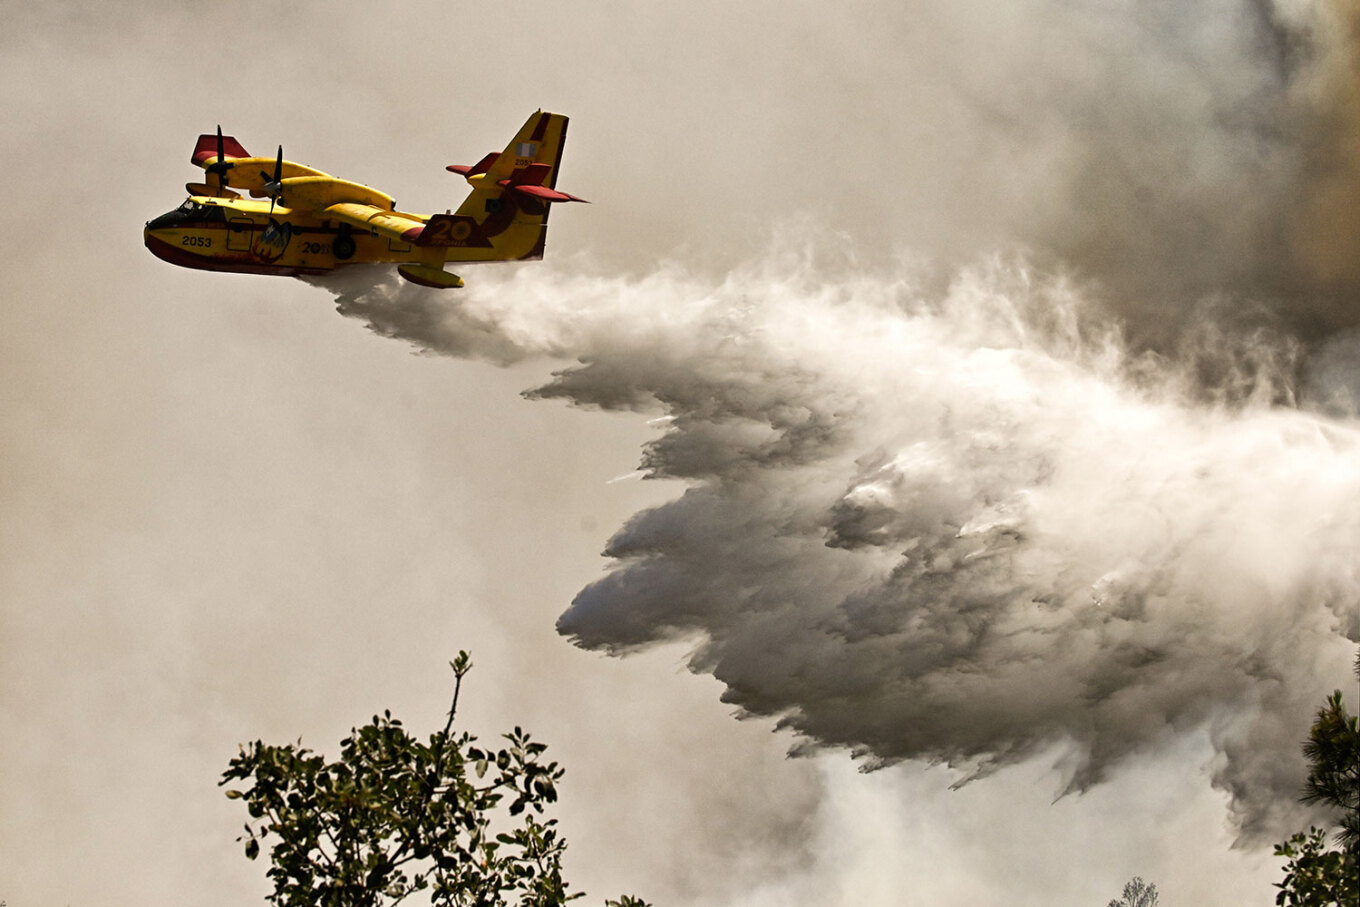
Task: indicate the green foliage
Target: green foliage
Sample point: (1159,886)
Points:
(1316,876)
(1137,893)
(395,815)
(1333,751)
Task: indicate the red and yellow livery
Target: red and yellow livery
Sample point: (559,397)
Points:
(299,220)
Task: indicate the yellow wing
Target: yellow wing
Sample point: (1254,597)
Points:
(396,225)
(230,166)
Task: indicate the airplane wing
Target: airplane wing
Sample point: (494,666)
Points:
(230,166)
(395,225)
(456,230)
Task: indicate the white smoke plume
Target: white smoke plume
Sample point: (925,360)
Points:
(959,528)
(968,524)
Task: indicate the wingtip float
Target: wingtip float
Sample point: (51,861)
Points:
(298,220)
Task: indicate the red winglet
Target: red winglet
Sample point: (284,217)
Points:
(481,166)
(206,148)
(546,194)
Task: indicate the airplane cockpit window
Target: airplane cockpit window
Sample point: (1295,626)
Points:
(191,212)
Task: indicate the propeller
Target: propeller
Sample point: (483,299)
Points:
(219,167)
(274,187)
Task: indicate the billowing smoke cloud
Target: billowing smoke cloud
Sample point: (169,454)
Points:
(1201,159)
(965,525)
(1198,160)
(957,528)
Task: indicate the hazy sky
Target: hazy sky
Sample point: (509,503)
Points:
(954,336)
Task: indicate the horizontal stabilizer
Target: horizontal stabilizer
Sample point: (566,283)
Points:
(534,180)
(546,194)
(480,167)
(429,276)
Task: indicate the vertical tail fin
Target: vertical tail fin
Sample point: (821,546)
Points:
(539,141)
(507,213)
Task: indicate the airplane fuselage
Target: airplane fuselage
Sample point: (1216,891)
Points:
(241,235)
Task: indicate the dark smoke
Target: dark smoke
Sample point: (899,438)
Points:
(1211,168)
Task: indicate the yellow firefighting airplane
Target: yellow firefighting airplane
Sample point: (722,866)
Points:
(313,223)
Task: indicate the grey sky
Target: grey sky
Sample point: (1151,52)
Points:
(227,512)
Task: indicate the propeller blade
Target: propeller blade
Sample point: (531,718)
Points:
(219,167)
(277,185)
(274,187)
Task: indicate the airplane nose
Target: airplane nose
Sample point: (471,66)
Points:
(158,244)
(163,220)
